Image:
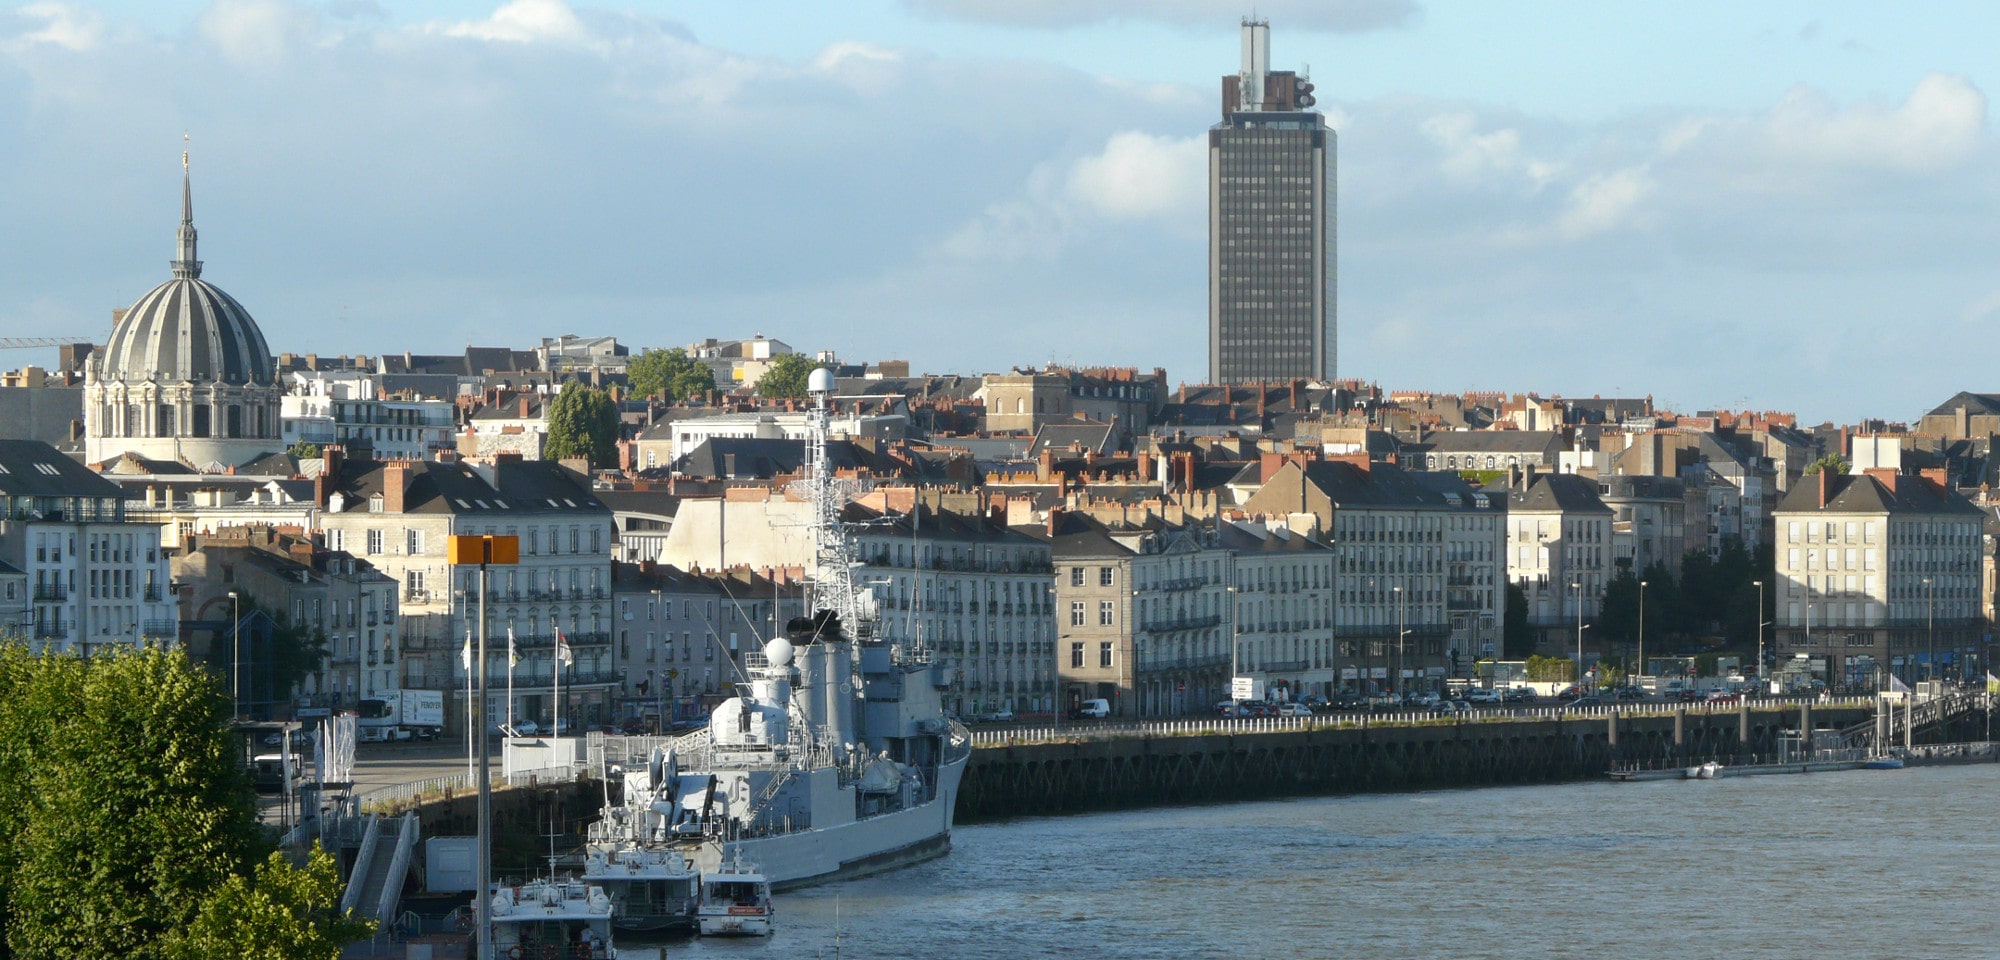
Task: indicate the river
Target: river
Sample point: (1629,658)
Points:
(1857,864)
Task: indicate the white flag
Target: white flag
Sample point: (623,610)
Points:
(513,656)
(465,655)
(1896,684)
(563,655)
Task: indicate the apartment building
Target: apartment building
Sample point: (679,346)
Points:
(1880,569)
(1559,550)
(95,581)
(397,515)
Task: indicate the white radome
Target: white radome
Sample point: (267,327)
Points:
(820,381)
(778,652)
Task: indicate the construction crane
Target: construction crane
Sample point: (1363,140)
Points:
(23,343)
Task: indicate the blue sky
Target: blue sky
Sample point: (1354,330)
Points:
(1778,205)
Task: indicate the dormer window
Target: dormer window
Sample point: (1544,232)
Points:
(375,503)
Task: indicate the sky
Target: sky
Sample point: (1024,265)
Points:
(1773,206)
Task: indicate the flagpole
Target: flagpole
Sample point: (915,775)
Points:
(465,657)
(555,676)
(510,676)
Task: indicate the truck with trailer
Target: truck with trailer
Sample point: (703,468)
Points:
(402,715)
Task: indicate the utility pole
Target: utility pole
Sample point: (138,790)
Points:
(483,551)
(1578,586)
(1642,631)
(1763,682)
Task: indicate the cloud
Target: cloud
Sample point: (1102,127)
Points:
(1470,154)
(524,21)
(256,33)
(1604,203)
(1336,16)
(54,24)
(1937,126)
(1140,176)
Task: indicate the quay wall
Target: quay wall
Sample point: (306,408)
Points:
(1006,779)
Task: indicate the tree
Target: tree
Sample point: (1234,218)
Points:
(303,450)
(285,913)
(1832,463)
(123,801)
(671,374)
(786,376)
(1619,619)
(1517,635)
(583,422)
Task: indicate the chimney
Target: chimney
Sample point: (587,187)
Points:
(1055,520)
(1826,484)
(524,406)
(395,477)
(332,457)
(1937,476)
(1045,466)
(1144,467)
(1962,424)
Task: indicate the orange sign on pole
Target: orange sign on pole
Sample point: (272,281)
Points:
(490,550)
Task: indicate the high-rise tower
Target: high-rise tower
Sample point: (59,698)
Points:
(1271,279)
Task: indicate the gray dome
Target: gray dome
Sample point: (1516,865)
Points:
(186,328)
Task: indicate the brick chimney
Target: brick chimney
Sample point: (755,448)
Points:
(524,406)
(1937,476)
(1826,485)
(1268,464)
(395,477)
(333,457)
(1055,520)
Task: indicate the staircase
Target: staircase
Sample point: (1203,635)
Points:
(376,886)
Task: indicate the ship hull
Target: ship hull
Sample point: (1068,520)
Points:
(843,852)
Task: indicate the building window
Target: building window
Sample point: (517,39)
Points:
(1104,615)
(374,542)
(413,542)
(415,579)
(1076,655)
(336,539)
(1104,654)
(1076,576)
(1104,576)
(1076,613)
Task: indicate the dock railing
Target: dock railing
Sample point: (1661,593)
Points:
(1221,726)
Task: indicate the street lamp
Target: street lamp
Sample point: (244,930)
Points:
(235,659)
(1762,681)
(1930,630)
(1642,631)
(1577,585)
(1402,630)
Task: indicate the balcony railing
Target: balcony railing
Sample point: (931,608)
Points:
(51,593)
(152,593)
(52,630)
(1179,624)
(160,628)
(1168,664)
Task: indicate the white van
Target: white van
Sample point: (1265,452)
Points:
(1094,709)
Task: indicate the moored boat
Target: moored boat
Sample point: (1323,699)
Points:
(552,920)
(735,901)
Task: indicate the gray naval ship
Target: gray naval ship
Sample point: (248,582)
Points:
(836,758)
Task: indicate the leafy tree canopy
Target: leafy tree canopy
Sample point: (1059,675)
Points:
(786,376)
(303,450)
(125,811)
(583,422)
(285,913)
(669,373)
(1832,463)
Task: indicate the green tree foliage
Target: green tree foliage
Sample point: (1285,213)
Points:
(786,376)
(285,913)
(669,373)
(123,801)
(583,422)
(1832,463)
(1517,635)
(303,450)
(1551,669)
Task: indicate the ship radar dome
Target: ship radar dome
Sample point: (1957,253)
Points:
(778,652)
(820,381)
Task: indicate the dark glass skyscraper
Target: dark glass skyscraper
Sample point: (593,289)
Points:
(1271,315)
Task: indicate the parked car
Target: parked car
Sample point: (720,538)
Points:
(1519,695)
(1586,702)
(1294,710)
(1451,707)
(1094,709)
(1002,715)
(1693,696)
(1348,700)
(1630,693)
(1483,695)
(1724,696)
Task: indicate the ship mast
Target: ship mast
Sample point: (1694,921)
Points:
(831,585)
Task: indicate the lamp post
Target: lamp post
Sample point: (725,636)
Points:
(1763,682)
(235,659)
(1577,585)
(484,551)
(1930,630)
(1402,630)
(1642,631)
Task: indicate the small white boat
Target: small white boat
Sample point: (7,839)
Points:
(1883,762)
(735,901)
(1706,771)
(552,920)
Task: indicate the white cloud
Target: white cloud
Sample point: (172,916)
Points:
(524,21)
(1340,16)
(1470,154)
(1937,126)
(55,24)
(1605,202)
(1141,176)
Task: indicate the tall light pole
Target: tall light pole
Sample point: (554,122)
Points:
(237,659)
(1930,630)
(484,551)
(1642,631)
(1402,630)
(1577,585)
(1763,682)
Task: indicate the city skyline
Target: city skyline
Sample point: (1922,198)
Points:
(1796,230)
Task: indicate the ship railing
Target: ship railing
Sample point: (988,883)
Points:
(396,798)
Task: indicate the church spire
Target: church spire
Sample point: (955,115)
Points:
(186,267)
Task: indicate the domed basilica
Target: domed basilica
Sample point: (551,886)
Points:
(185,376)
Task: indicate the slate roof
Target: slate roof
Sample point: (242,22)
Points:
(31,468)
(1552,493)
(1865,494)
(41,413)
(1088,435)
(763,458)
(515,487)
(1987,404)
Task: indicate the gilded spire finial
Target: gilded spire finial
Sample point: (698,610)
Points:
(184,153)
